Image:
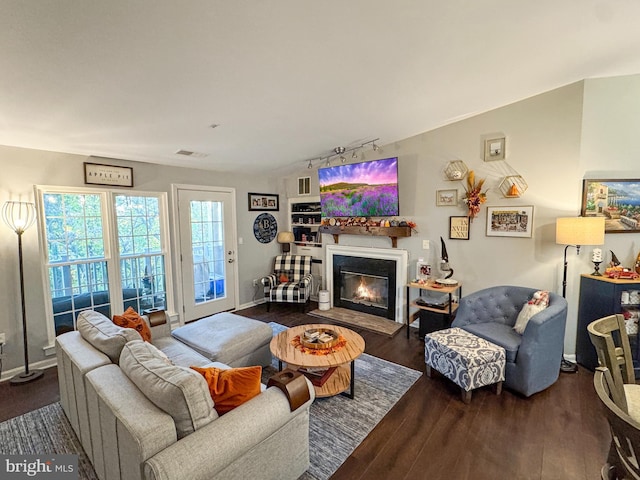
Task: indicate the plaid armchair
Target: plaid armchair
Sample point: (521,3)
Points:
(290,282)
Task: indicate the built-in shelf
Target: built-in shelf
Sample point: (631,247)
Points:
(392,232)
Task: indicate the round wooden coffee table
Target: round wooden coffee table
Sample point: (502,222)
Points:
(342,378)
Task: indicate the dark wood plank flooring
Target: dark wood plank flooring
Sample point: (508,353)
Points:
(560,433)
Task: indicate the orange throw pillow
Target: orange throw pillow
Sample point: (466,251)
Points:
(131,319)
(231,388)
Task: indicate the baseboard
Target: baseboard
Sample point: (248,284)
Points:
(251,304)
(50,362)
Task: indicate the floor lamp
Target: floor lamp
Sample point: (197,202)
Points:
(574,232)
(19,216)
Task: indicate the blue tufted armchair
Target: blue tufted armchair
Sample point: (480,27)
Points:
(533,358)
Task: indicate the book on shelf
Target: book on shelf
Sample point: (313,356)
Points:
(317,376)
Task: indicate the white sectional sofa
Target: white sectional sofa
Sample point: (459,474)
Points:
(140,415)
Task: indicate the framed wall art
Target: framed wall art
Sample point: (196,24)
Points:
(260,202)
(459,228)
(618,201)
(494,149)
(516,221)
(447,198)
(98,174)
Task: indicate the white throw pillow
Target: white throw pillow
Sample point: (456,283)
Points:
(528,311)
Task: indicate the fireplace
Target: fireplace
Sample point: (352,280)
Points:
(368,280)
(363,284)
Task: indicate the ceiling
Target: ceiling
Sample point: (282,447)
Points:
(285,80)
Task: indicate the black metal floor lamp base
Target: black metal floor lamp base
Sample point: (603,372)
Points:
(23,378)
(568,367)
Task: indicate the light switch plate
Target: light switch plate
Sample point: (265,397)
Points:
(425,244)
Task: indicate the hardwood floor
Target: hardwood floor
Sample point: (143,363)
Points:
(560,433)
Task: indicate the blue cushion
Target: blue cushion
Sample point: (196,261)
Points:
(500,334)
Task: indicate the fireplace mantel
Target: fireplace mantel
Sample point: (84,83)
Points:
(392,232)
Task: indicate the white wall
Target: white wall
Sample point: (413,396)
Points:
(547,143)
(21,169)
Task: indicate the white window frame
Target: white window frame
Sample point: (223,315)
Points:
(111,250)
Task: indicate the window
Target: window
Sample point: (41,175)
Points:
(84,260)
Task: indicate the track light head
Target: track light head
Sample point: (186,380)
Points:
(354,154)
(342,159)
(375,147)
(339,150)
(310,165)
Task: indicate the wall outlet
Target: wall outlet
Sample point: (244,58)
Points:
(255,282)
(2,338)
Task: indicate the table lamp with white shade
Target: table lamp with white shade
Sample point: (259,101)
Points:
(285,239)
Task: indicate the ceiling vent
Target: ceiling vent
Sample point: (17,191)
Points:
(189,153)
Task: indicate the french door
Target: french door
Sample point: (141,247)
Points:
(206,220)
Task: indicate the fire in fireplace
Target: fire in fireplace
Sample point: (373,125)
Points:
(370,290)
(364,284)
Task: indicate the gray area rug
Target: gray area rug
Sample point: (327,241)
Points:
(379,385)
(44,431)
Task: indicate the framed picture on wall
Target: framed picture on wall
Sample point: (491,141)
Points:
(447,198)
(618,201)
(112,175)
(459,228)
(516,221)
(264,202)
(494,149)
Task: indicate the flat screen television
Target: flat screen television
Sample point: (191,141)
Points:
(366,189)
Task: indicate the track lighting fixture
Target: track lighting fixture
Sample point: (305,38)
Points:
(340,151)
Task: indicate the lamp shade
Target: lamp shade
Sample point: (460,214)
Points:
(285,237)
(19,215)
(580,231)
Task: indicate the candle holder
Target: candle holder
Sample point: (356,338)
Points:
(596,271)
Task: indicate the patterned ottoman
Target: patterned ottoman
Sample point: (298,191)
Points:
(469,361)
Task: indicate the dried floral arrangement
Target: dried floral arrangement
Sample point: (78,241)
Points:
(474,196)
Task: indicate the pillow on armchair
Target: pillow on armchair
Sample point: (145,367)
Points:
(284,276)
(538,302)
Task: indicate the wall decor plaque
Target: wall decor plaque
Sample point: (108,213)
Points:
(112,175)
(265,228)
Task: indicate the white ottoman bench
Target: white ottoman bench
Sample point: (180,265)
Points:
(469,361)
(228,338)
